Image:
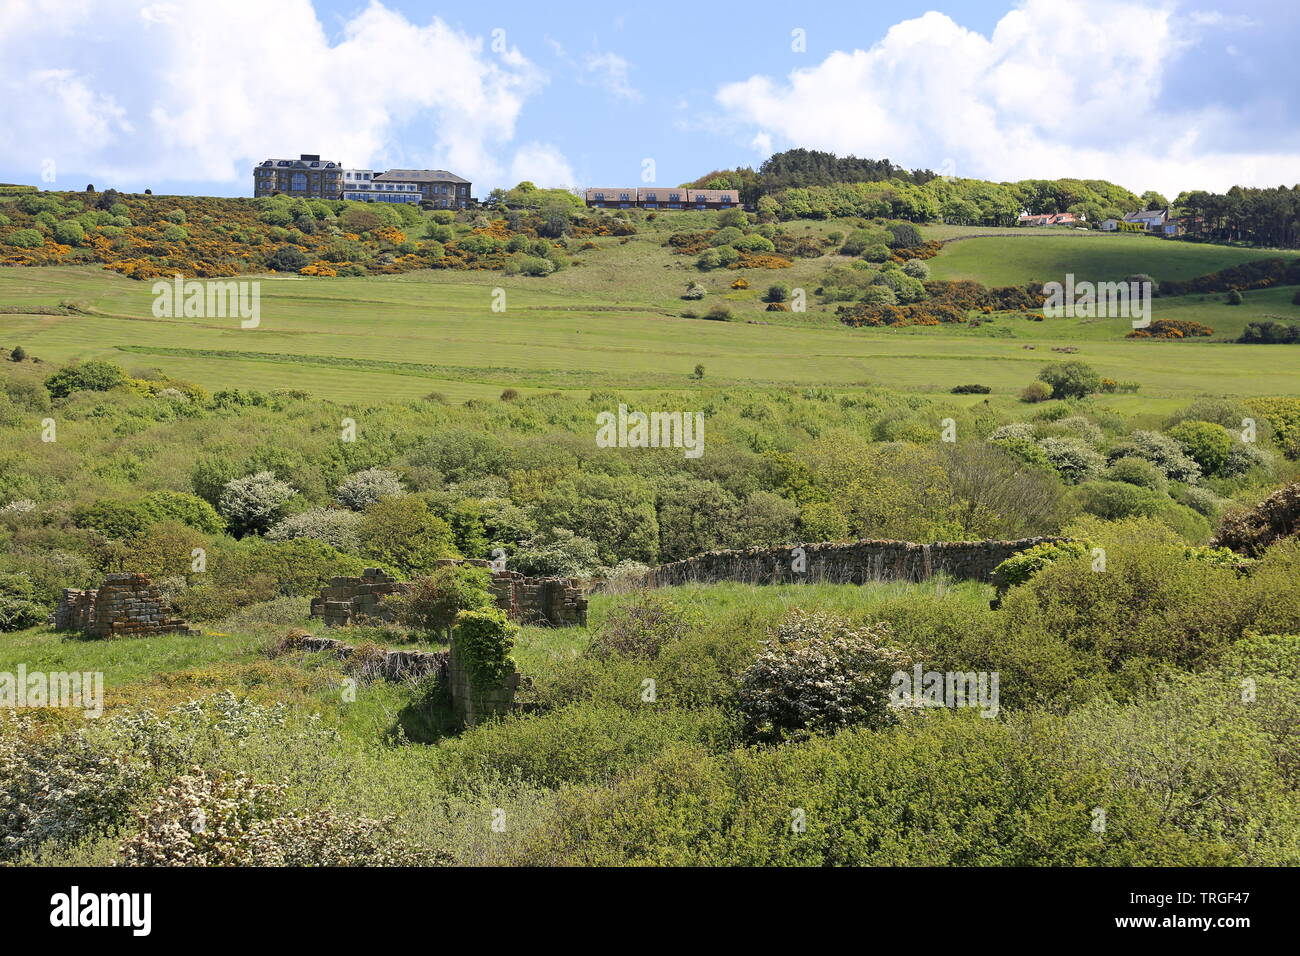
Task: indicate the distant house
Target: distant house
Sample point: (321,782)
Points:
(313,178)
(661,197)
(1158,221)
(1050,219)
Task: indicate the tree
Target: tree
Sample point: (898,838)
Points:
(94,376)
(1071,379)
(435,599)
(253,502)
(403,533)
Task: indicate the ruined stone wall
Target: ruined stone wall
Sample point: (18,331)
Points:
(551,602)
(855,562)
(125,605)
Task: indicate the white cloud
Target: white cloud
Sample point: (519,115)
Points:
(1055,90)
(611,71)
(192,90)
(543,165)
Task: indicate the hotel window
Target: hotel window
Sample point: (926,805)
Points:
(298,181)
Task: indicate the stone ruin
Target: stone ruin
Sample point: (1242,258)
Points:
(850,562)
(125,605)
(549,602)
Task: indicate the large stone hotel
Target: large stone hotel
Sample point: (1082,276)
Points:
(310,177)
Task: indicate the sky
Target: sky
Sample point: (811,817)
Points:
(185,96)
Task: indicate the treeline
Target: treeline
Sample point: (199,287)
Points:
(806,167)
(1262,217)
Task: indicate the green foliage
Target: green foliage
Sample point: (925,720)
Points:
(1207,443)
(485,638)
(95,376)
(1023,565)
(436,599)
(1072,379)
(403,533)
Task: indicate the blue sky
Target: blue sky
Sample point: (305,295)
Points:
(183,96)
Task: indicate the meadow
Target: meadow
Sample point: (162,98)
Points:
(615,320)
(1119,690)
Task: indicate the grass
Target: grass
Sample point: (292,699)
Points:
(997,259)
(615,321)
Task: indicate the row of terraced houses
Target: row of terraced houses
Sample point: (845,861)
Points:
(662,197)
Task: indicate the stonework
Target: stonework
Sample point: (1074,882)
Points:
(547,602)
(855,562)
(125,605)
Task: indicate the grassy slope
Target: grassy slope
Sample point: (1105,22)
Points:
(615,322)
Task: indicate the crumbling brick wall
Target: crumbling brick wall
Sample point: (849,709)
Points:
(125,605)
(855,562)
(549,602)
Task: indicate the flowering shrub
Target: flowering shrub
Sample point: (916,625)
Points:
(363,489)
(818,673)
(336,527)
(251,503)
(229,820)
(1072,459)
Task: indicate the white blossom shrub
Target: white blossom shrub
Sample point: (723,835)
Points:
(335,526)
(819,673)
(230,820)
(253,502)
(1165,453)
(363,489)
(1072,458)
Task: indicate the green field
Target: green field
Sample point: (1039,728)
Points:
(615,320)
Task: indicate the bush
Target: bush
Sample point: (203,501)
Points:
(287,259)
(18,607)
(640,627)
(25,239)
(178,506)
(1071,379)
(970,390)
(436,599)
(1207,444)
(822,521)
(1035,392)
(1139,472)
(94,376)
(361,490)
(818,674)
(1164,452)
(336,527)
(778,292)
(254,502)
(1023,565)
(559,553)
(1118,499)
(1072,459)
(229,820)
